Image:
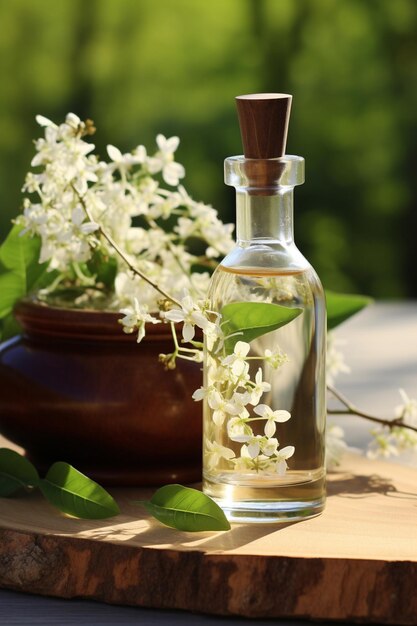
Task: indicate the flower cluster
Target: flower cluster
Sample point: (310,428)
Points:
(233,399)
(73,197)
(390,441)
(389,438)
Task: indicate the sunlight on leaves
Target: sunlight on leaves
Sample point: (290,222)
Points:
(250,320)
(186,509)
(75,494)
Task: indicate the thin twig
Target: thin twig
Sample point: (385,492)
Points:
(351,409)
(119,251)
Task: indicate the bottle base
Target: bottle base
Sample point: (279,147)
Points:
(270,512)
(295,497)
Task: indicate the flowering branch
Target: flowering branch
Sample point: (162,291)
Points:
(121,254)
(351,409)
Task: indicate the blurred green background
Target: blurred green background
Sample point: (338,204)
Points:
(139,67)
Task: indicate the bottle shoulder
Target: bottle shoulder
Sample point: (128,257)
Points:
(273,257)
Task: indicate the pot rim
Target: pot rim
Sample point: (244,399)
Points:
(38,318)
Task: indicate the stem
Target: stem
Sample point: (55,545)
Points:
(121,254)
(351,409)
(174,337)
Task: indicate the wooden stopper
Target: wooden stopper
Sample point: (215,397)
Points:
(263,119)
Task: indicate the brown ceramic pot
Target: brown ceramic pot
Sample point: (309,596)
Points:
(75,388)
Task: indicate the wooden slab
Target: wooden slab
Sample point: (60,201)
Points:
(356,562)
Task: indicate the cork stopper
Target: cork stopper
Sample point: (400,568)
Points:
(263,119)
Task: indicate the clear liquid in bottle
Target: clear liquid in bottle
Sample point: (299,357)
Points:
(252,489)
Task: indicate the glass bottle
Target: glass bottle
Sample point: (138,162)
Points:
(265,401)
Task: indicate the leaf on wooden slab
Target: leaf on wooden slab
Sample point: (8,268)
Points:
(74,493)
(186,509)
(341,306)
(16,472)
(250,320)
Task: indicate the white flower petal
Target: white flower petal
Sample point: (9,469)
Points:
(270,428)
(175,315)
(241,348)
(253,449)
(172,172)
(141,332)
(161,141)
(281,416)
(199,394)
(238,367)
(172,144)
(43,121)
(72,120)
(218,417)
(114,153)
(188,332)
(263,410)
(287,452)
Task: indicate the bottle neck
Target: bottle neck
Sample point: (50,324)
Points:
(264,218)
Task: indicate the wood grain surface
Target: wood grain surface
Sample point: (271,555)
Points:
(356,562)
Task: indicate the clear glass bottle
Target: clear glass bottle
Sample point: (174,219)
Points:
(258,465)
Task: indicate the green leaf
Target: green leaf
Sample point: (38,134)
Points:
(19,268)
(104,268)
(187,509)
(18,251)
(76,494)
(341,306)
(15,472)
(253,319)
(12,288)
(20,272)
(9,327)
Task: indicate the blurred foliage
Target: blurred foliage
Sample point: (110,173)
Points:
(139,67)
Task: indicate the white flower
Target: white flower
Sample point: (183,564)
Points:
(236,361)
(69,177)
(408,410)
(383,444)
(282,456)
(253,445)
(336,446)
(219,375)
(275,359)
(164,160)
(335,359)
(43,121)
(272,417)
(222,406)
(191,315)
(244,461)
(219,406)
(78,217)
(200,393)
(215,452)
(238,428)
(259,388)
(123,161)
(163,206)
(135,317)
(270,446)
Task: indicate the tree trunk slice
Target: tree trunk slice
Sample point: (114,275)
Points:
(356,562)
